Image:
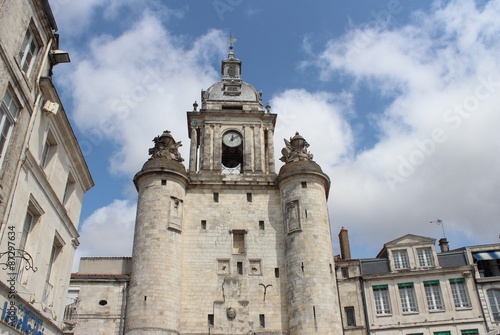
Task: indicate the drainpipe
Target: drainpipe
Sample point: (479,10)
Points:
(122,315)
(363,296)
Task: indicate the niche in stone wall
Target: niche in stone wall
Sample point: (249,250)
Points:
(175,214)
(255,267)
(223,266)
(292,216)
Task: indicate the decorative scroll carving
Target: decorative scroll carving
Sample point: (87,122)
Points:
(292,216)
(296,150)
(19,254)
(166,146)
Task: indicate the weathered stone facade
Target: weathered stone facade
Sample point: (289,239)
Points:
(43,175)
(228,246)
(218,249)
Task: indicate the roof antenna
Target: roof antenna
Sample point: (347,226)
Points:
(439,222)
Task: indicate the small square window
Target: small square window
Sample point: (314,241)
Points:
(345,272)
(204,224)
(239,268)
(216,197)
(249,197)
(238,241)
(351,319)
(164,182)
(304,184)
(210,319)
(262,320)
(261,225)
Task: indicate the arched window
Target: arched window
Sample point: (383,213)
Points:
(232,151)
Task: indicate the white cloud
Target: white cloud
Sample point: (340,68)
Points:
(108,231)
(319,118)
(133,86)
(438,150)
(76,17)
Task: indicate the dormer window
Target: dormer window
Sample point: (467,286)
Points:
(425,257)
(400,258)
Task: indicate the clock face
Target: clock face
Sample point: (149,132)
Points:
(232,139)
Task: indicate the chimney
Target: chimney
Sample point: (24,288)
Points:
(345,250)
(443,244)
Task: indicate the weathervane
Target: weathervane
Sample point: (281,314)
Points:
(231,40)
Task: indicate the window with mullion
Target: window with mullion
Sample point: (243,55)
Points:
(425,257)
(400,258)
(382,303)
(28,51)
(407,295)
(433,295)
(8,113)
(459,292)
(494,299)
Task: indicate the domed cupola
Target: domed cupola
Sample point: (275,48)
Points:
(231,92)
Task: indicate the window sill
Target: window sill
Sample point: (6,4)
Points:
(383,315)
(437,310)
(410,313)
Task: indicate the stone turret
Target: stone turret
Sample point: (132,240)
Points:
(310,276)
(153,298)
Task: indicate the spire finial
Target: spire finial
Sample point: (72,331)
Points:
(231,41)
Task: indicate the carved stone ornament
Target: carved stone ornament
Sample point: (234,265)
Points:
(231,313)
(296,150)
(166,146)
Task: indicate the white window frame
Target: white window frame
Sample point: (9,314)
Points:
(9,110)
(69,189)
(48,150)
(459,292)
(400,259)
(494,300)
(407,297)
(29,51)
(433,296)
(382,300)
(425,257)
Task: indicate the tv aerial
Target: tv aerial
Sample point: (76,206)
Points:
(439,222)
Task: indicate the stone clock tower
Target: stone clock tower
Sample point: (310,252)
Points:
(228,246)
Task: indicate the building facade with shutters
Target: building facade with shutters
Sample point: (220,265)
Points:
(43,175)
(486,261)
(410,288)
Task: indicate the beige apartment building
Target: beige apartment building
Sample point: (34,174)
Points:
(410,288)
(43,175)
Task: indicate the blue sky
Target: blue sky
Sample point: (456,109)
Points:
(399,101)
